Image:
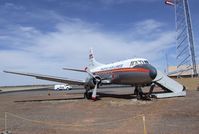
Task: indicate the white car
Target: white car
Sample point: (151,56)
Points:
(62,87)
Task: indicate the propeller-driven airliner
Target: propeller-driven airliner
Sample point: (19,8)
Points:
(137,72)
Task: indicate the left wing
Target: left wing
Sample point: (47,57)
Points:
(49,78)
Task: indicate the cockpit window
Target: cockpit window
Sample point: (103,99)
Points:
(133,63)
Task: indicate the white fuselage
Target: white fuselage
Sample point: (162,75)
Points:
(130,63)
(136,71)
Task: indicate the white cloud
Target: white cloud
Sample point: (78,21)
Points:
(12,6)
(68,46)
(148,26)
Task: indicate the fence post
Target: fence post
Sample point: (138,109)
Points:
(5,122)
(6,127)
(143,118)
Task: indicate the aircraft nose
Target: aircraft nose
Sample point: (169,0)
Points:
(152,72)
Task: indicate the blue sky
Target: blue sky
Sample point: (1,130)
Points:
(42,36)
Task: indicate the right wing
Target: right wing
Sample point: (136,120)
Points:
(49,78)
(86,70)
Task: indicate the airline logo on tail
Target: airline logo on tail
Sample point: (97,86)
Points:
(91,54)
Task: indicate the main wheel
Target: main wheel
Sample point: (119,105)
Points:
(135,91)
(88,95)
(139,93)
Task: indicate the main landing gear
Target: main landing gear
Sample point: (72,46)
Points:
(138,92)
(143,96)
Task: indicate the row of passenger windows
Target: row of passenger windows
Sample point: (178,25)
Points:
(133,63)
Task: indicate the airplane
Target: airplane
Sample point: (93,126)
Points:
(137,72)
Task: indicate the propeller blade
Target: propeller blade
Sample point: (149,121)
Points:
(89,72)
(94,92)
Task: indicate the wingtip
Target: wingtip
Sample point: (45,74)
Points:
(6,71)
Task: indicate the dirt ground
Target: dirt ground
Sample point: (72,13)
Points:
(117,112)
(189,83)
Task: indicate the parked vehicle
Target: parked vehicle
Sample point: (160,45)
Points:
(62,87)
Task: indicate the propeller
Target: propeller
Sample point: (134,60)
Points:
(97,81)
(89,72)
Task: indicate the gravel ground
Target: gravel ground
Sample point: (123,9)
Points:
(117,111)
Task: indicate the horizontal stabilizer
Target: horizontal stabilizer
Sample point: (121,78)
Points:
(76,70)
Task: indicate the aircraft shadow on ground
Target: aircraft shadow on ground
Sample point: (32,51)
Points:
(119,96)
(101,95)
(56,99)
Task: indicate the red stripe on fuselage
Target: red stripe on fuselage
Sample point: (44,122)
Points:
(138,70)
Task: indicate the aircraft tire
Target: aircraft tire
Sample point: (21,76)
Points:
(88,95)
(139,97)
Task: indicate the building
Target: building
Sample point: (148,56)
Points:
(183,72)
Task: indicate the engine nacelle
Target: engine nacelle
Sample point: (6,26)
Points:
(91,82)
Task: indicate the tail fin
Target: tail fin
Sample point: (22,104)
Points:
(92,62)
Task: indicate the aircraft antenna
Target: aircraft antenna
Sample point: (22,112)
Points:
(167,64)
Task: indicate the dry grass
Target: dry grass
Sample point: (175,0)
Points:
(189,83)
